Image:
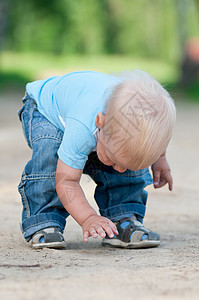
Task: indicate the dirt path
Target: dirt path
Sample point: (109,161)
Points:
(89,271)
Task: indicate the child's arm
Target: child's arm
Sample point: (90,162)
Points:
(162,173)
(73,199)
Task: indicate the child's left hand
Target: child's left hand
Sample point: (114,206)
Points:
(162,173)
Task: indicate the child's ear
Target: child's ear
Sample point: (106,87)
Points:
(100,120)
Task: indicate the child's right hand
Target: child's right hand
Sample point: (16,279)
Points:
(95,225)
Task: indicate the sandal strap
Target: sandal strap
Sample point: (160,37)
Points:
(49,237)
(134,231)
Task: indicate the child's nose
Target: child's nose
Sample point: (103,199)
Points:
(119,169)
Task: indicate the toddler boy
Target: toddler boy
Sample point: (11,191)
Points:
(109,127)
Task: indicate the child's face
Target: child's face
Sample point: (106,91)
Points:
(107,152)
(107,155)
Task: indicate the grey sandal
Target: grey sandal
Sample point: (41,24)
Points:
(134,236)
(50,237)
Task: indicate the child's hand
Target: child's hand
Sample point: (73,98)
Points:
(95,225)
(162,173)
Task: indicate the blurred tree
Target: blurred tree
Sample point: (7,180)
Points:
(2,23)
(139,28)
(86,33)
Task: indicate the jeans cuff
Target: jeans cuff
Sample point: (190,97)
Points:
(122,211)
(31,225)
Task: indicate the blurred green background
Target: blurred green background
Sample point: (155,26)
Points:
(40,38)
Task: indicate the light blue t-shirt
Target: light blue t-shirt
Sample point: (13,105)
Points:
(71,102)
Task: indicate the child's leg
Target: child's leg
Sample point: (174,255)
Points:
(41,205)
(118,195)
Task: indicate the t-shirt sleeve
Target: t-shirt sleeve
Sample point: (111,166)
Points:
(78,141)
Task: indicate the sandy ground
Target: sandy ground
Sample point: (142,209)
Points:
(88,270)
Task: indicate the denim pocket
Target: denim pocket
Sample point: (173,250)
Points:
(38,118)
(41,128)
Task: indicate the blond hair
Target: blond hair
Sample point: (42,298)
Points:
(139,119)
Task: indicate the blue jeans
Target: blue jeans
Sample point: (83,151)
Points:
(118,195)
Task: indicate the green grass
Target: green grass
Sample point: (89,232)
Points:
(20,68)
